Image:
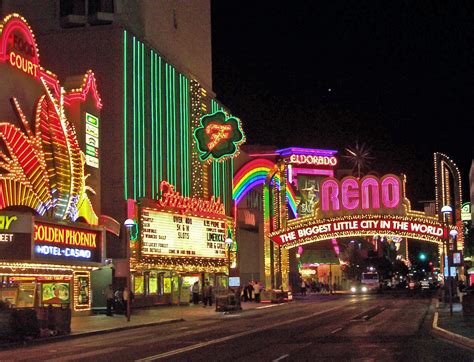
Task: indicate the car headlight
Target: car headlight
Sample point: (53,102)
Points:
(353,289)
(364,289)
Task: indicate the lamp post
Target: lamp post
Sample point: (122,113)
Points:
(228,243)
(129,223)
(446,210)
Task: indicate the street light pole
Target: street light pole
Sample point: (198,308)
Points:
(129,223)
(228,243)
(446,210)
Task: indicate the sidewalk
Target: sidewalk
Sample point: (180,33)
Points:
(88,325)
(456,328)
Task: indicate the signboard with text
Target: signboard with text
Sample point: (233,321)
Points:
(177,235)
(67,244)
(15,236)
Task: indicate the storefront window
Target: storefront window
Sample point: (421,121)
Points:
(153,283)
(139,284)
(26,295)
(55,293)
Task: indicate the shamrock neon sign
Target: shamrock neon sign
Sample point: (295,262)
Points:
(218,136)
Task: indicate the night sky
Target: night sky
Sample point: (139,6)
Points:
(397,76)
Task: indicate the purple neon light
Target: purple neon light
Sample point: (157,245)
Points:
(305,151)
(311,171)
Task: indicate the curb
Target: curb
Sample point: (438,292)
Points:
(5,346)
(450,336)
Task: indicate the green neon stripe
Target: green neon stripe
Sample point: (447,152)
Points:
(137,133)
(125,166)
(181,139)
(152,115)
(174,125)
(168,156)
(143,137)
(187,136)
(134,124)
(160,120)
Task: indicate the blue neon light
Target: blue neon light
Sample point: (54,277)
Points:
(67,252)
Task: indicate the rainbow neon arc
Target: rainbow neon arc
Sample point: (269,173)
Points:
(254,174)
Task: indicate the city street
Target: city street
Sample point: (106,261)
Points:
(374,327)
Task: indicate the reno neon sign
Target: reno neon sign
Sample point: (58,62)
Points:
(368,193)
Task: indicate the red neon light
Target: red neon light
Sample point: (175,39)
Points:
(81,94)
(7,41)
(173,199)
(219,133)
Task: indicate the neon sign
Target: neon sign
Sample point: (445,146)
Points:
(313,160)
(364,194)
(46,169)
(360,225)
(68,236)
(19,45)
(218,133)
(172,199)
(6,220)
(218,137)
(67,252)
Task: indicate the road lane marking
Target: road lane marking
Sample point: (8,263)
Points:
(336,330)
(233,336)
(281,357)
(77,356)
(269,306)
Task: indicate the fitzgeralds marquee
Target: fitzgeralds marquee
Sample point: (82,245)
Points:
(361,207)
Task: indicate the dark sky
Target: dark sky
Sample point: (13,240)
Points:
(401,75)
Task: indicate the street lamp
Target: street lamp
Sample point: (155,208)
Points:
(228,243)
(446,210)
(129,224)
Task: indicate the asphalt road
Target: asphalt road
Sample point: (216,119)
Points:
(365,328)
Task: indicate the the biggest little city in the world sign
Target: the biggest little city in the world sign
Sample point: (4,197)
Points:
(360,207)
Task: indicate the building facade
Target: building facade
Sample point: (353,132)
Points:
(152,63)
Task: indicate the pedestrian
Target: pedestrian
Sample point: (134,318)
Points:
(207,294)
(118,300)
(109,296)
(245,294)
(256,291)
(303,287)
(195,290)
(249,288)
(127,301)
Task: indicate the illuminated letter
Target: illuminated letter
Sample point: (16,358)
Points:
(329,195)
(350,194)
(12,58)
(390,192)
(372,183)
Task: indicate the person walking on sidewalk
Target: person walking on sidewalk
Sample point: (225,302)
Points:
(256,291)
(109,296)
(207,294)
(195,291)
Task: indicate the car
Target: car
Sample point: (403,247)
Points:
(359,289)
